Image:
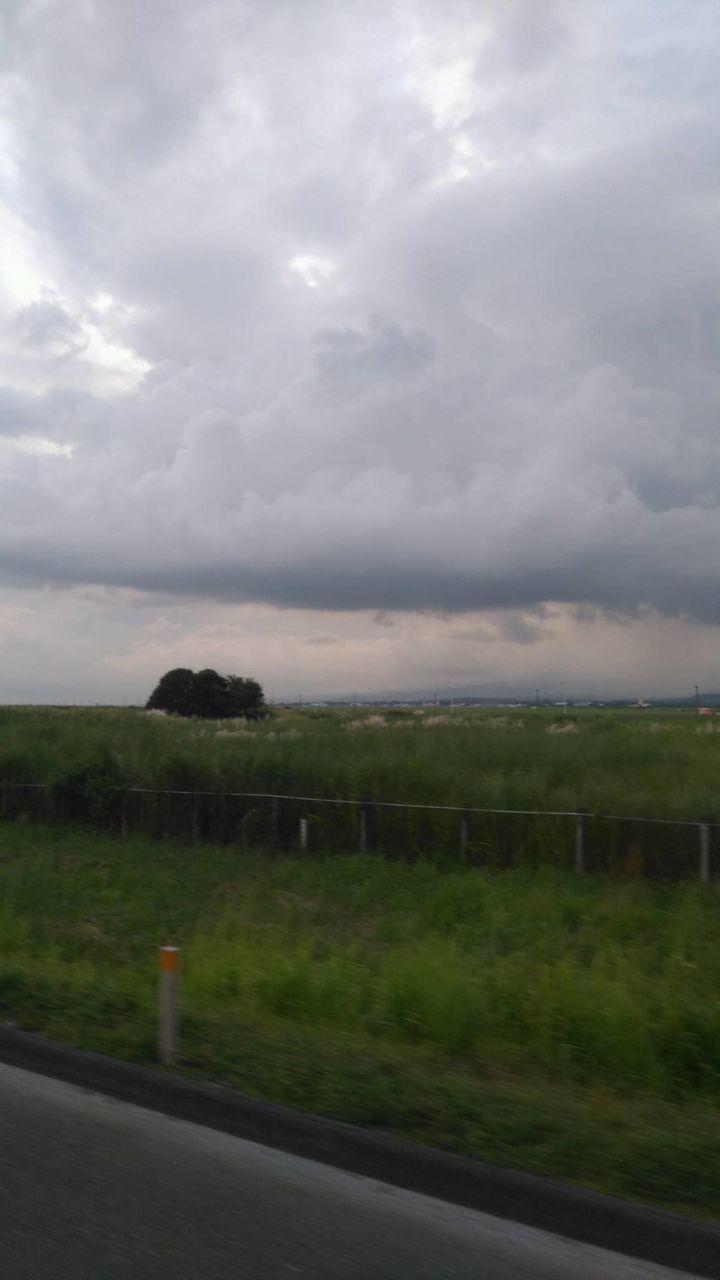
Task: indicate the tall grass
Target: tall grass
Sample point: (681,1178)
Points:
(588,980)
(622,763)
(562,1025)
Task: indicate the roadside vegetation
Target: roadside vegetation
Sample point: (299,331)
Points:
(481,998)
(645,763)
(630,764)
(565,1025)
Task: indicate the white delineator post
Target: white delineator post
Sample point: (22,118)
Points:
(167,1005)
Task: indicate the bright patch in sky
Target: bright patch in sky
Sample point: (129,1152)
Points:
(449,92)
(312,269)
(102,303)
(20,277)
(123,366)
(36,446)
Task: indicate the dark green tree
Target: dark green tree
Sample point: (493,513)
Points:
(174,693)
(210,695)
(207,695)
(246,697)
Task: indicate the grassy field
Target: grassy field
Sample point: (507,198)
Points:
(626,763)
(565,1025)
(645,763)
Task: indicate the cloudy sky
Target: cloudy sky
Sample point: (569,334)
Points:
(356,346)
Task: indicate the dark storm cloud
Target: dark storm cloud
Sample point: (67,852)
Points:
(426,297)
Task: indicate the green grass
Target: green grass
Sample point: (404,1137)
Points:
(644,763)
(565,1025)
(647,764)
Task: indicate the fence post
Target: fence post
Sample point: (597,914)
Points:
(195,822)
(167,1006)
(704,830)
(303,834)
(580,817)
(464,828)
(364,813)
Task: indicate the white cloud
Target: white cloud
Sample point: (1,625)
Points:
(391,308)
(312,268)
(35,445)
(447,88)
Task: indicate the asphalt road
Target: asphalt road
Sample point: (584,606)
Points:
(96,1189)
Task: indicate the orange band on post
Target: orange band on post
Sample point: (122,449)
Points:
(168,959)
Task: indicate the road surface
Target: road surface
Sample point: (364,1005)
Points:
(94,1189)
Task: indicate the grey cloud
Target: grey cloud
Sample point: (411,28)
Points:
(49,327)
(317,205)
(18,413)
(520,629)
(532,418)
(48,414)
(528,38)
(503,626)
(384,351)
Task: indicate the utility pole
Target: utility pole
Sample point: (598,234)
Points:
(697,699)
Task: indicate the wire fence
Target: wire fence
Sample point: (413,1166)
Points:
(623,845)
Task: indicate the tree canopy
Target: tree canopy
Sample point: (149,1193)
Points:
(208,695)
